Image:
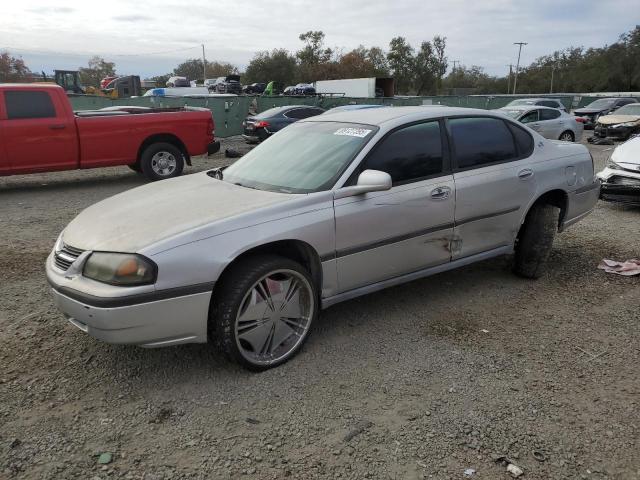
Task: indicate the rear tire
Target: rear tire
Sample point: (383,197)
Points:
(535,240)
(567,136)
(262,311)
(161,160)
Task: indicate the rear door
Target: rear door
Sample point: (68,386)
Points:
(381,235)
(551,123)
(494,182)
(37,132)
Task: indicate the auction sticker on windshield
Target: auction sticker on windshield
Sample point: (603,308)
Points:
(352,132)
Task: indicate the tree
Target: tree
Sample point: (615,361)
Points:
(192,69)
(13,69)
(424,69)
(96,70)
(362,62)
(161,80)
(440,61)
(378,60)
(278,65)
(314,59)
(401,61)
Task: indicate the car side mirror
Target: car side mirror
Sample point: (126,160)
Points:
(368,181)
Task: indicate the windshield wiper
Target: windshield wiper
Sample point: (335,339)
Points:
(216,173)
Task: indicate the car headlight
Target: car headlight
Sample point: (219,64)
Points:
(122,269)
(625,124)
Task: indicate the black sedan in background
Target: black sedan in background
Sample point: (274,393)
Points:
(259,127)
(602,106)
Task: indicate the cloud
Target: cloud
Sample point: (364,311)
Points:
(132,18)
(52,10)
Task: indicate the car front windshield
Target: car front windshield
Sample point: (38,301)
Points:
(631,109)
(305,157)
(522,102)
(603,103)
(512,113)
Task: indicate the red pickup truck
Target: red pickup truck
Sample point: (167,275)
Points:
(39,132)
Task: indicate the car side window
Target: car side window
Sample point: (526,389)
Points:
(524,140)
(480,141)
(548,103)
(309,112)
(409,154)
(530,117)
(549,114)
(28,104)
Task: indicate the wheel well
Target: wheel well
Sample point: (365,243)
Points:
(296,250)
(557,198)
(165,138)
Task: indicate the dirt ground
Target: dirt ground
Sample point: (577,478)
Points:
(424,380)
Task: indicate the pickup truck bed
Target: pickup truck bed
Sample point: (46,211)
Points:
(39,132)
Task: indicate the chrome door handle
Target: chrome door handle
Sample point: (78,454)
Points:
(440,193)
(524,174)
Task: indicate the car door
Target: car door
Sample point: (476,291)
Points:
(494,182)
(551,123)
(381,235)
(36,132)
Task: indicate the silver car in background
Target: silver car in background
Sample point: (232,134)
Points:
(549,122)
(542,102)
(328,209)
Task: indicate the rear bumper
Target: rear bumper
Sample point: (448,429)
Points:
(213,147)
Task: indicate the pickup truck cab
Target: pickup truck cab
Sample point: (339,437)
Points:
(39,132)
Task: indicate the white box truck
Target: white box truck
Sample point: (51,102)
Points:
(356,87)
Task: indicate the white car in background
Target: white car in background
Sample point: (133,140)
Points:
(549,122)
(537,102)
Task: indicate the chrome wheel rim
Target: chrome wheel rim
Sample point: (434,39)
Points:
(274,317)
(566,137)
(164,163)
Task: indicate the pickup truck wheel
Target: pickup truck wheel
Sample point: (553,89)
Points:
(262,311)
(161,160)
(535,240)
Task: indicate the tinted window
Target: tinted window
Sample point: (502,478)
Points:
(481,141)
(524,140)
(625,101)
(296,113)
(549,114)
(409,154)
(26,104)
(310,112)
(530,117)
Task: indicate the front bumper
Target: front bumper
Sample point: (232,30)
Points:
(603,131)
(213,147)
(150,319)
(620,185)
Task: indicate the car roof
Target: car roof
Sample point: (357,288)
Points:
(380,116)
(534,99)
(526,107)
(28,86)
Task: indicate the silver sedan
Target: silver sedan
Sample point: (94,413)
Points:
(328,209)
(549,122)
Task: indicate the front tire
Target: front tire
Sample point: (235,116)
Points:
(161,160)
(262,311)
(567,136)
(535,240)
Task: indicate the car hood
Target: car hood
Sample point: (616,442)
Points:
(613,119)
(145,215)
(627,155)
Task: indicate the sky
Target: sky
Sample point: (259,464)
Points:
(150,38)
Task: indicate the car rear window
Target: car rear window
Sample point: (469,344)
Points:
(549,114)
(22,104)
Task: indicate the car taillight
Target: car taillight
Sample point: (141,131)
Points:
(581,119)
(261,124)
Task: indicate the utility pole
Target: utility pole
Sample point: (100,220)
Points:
(204,66)
(509,79)
(515,80)
(553,69)
(454,64)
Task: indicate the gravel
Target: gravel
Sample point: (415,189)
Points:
(467,370)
